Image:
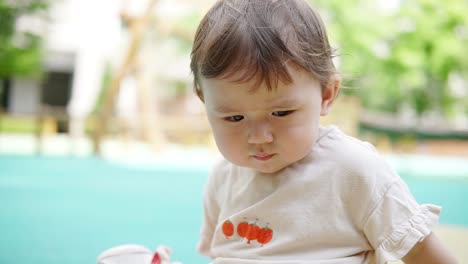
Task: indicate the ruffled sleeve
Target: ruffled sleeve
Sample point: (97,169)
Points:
(398,222)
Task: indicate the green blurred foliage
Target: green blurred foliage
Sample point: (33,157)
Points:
(18,124)
(404,56)
(20,52)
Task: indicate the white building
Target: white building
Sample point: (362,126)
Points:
(82,37)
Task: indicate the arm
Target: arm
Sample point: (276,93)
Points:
(429,251)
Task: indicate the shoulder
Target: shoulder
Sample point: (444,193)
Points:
(350,155)
(362,174)
(333,141)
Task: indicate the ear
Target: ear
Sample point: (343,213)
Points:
(330,93)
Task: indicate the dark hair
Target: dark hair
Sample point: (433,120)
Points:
(258,38)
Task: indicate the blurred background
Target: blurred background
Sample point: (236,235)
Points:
(103,142)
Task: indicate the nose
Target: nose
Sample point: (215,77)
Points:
(260,133)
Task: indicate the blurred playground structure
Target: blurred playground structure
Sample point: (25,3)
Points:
(103,67)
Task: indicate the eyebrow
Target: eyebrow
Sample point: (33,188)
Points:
(224,109)
(285,103)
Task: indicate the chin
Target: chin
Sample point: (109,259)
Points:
(268,170)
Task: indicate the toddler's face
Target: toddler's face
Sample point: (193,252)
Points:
(264,130)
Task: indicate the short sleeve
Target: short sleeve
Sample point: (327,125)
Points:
(398,222)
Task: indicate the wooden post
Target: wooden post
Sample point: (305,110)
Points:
(137,27)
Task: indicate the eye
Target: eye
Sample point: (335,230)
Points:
(235,118)
(282,113)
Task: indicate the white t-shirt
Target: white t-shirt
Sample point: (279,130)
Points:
(342,203)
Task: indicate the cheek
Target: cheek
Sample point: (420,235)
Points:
(223,130)
(228,138)
(300,134)
(304,122)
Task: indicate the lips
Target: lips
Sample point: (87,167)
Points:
(263,157)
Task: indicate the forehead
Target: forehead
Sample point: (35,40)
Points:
(229,94)
(298,77)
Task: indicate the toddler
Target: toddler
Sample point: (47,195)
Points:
(289,190)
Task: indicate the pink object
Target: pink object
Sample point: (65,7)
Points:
(156,259)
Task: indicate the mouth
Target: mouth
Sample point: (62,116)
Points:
(263,157)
